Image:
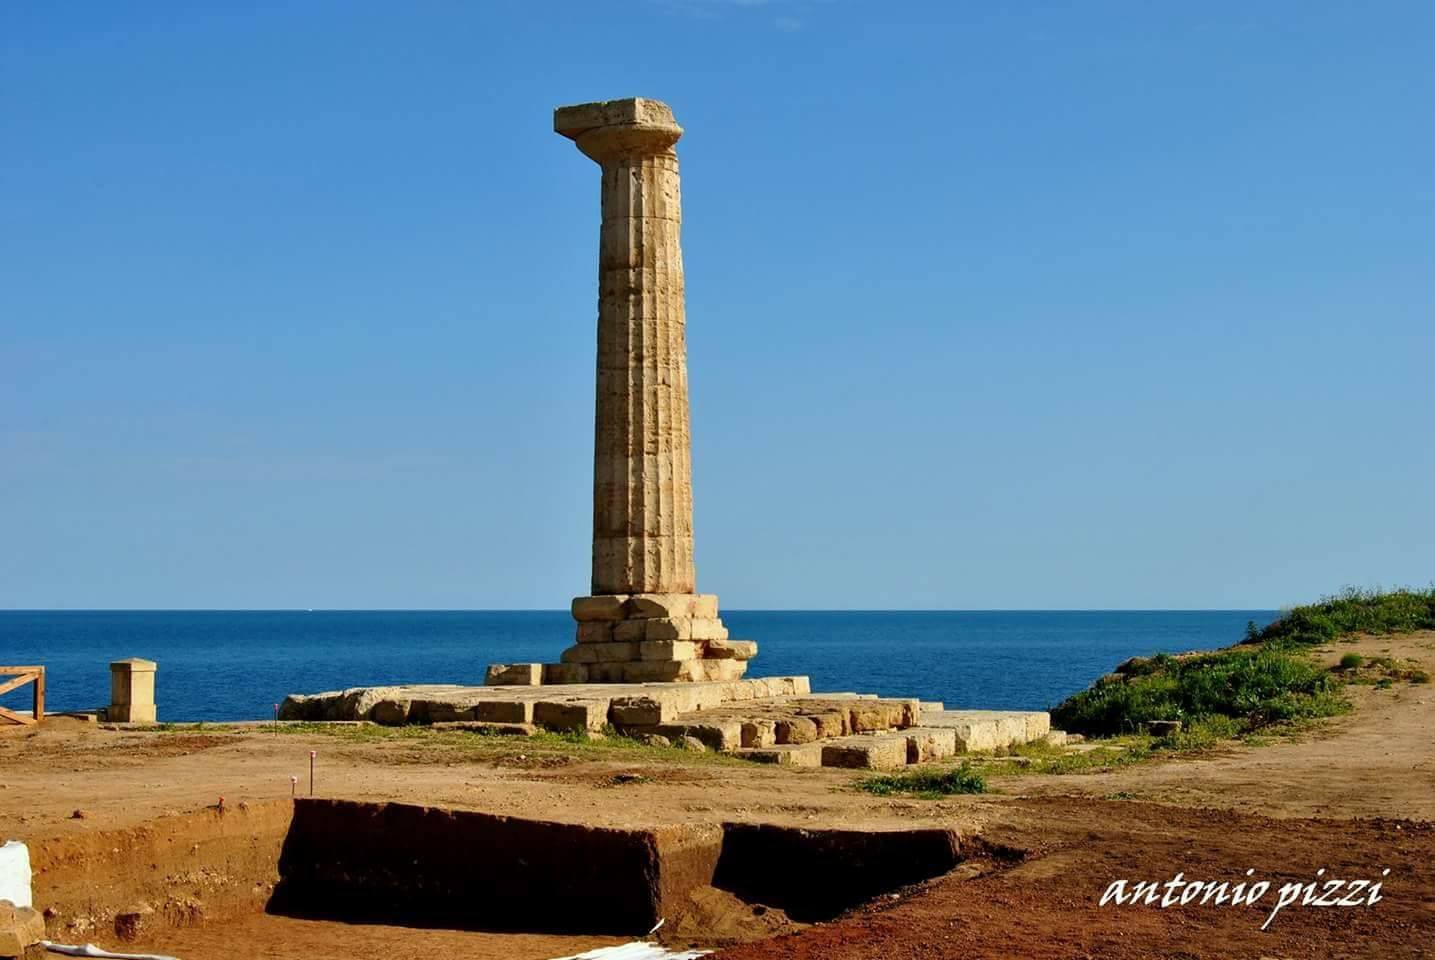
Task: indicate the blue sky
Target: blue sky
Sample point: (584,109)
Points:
(989,305)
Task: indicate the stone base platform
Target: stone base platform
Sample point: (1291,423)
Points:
(767,720)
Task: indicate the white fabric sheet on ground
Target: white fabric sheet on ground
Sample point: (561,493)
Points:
(90,950)
(637,950)
(15,873)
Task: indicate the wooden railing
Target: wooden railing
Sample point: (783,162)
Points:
(22,676)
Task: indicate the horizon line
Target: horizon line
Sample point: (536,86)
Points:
(566,610)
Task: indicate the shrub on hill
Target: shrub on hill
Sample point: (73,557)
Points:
(1354,611)
(1266,679)
(1251,686)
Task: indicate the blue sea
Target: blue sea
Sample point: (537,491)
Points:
(235,665)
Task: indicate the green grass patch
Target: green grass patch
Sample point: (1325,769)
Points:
(1351,661)
(1247,686)
(927,782)
(1354,611)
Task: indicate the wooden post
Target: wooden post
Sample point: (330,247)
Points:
(22,676)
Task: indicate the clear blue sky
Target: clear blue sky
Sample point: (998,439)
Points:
(989,305)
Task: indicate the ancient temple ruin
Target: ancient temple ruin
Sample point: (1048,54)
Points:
(645,620)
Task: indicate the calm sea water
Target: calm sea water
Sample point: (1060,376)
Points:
(220,665)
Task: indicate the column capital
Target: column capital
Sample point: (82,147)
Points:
(613,129)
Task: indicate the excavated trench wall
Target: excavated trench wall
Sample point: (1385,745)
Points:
(425,866)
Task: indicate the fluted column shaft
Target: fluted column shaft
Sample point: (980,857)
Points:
(642,468)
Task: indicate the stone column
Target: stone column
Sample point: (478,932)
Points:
(642,469)
(645,620)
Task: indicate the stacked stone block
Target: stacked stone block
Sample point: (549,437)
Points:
(653,637)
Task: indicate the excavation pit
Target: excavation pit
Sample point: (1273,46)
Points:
(468,873)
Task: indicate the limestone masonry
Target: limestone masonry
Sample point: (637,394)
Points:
(644,621)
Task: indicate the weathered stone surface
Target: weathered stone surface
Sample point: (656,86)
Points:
(830,723)
(595,631)
(647,671)
(514,675)
(707,628)
(590,715)
(870,716)
(730,649)
(504,711)
(559,673)
(721,735)
(872,752)
(608,607)
(794,755)
(643,711)
(759,733)
(984,730)
(642,505)
(391,713)
(591,653)
(722,671)
(925,744)
(795,730)
(665,628)
(667,650)
(20,927)
(1055,738)
(671,606)
(630,631)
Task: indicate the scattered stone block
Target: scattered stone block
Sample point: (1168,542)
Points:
(133,922)
(1163,728)
(795,730)
(1055,738)
(667,649)
(830,723)
(933,706)
(722,649)
(514,675)
(645,711)
(724,736)
(558,673)
(608,607)
(985,730)
(871,716)
(787,755)
(391,713)
(503,711)
(20,929)
(879,752)
(587,715)
(438,711)
(925,744)
(759,733)
(595,631)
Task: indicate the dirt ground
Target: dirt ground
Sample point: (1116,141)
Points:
(1355,795)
